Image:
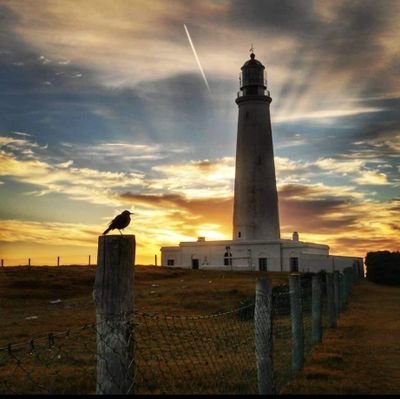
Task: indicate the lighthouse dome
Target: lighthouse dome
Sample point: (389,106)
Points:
(252,62)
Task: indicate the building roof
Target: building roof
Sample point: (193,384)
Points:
(252,62)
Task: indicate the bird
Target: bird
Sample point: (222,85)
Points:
(119,222)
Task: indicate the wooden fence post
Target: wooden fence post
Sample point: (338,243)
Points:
(263,335)
(58,261)
(336,294)
(342,291)
(330,300)
(355,273)
(296,315)
(348,281)
(89,261)
(113,293)
(316,309)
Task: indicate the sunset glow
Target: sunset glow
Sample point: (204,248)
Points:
(103,109)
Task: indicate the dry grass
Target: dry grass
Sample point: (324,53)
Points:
(28,292)
(362,355)
(69,365)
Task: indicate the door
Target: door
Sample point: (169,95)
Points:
(262,264)
(195,263)
(294,265)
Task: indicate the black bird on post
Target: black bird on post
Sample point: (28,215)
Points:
(119,222)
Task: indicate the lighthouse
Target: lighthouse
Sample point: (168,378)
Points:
(256,243)
(255,212)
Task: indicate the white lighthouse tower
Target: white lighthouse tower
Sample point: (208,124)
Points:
(256,243)
(255,215)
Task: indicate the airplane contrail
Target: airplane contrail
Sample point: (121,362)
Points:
(197,58)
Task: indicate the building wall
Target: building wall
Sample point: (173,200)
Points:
(210,255)
(341,262)
(275,255)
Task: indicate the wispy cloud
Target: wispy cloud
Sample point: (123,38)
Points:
(328,114)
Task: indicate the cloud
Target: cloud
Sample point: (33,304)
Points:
(46,233)
(197,179)
(371,177)
(339,166)
(327,114)
(86,184)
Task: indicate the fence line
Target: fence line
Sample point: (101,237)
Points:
(58,261)
(256,348)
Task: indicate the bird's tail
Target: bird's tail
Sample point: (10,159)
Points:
(106,231)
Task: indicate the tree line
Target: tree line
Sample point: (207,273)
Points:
(383,267)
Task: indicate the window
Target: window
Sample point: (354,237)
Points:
(170,262)
(228,257)
(262,264)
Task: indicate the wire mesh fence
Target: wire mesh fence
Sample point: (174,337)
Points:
(213,354)
(204,354)
(62,363)
(282,336)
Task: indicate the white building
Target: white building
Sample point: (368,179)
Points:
(256,242)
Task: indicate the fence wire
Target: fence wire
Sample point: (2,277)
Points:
(282,336)
(199,355)
(63,363)
(213,354)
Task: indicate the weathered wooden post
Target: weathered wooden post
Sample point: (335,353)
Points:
(316,309)
(263,336)
(113,294)
(330,300)
(336,295)
(58,261)
(345,285)
(155,260)
(355,273)
(348,280)
(296,315)
(342,291)
(361,269)
(29,262)
(89,261)
(2,263)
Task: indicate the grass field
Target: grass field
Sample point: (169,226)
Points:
(362,355)
(26,295)
(188,353)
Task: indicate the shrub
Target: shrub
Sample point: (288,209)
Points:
(383,267)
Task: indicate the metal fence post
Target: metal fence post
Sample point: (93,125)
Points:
(113,293)
(316,309)
(296,315)
(263,336)
(330,300)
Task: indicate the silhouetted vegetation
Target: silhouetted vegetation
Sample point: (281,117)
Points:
(383,267)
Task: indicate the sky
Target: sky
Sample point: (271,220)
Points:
(104,107)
